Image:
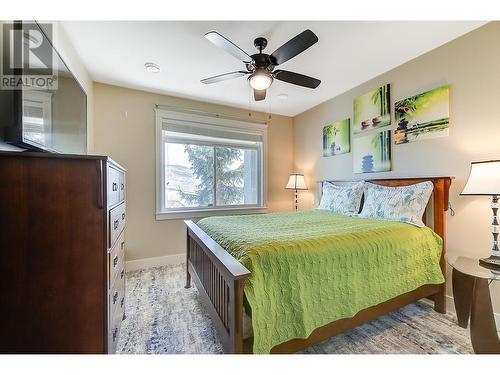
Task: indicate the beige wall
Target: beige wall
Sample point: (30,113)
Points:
(471,66)
(130,140)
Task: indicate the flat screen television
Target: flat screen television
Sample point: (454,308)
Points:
(40,117)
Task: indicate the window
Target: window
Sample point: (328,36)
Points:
(208,164)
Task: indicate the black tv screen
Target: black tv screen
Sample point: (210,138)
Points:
(42,105)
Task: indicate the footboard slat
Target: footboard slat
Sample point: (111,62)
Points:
(211,280)
(220,279)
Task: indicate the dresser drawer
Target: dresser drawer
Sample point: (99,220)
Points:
(117,259)
(113,186)
(116,302)
(115,321)
(122,186)
(116,223)
(117,295)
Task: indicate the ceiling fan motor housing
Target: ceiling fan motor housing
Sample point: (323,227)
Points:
(261,61)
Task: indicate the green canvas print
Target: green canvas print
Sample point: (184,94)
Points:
(336,138)
(372,152)
(372,110)
(423,116)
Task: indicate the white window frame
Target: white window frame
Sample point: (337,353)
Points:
(205,121)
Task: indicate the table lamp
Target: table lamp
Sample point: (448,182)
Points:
(296,182)
(484,179)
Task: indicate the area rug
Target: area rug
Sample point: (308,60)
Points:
(162,317)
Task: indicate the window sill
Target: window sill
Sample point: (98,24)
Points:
(176,215)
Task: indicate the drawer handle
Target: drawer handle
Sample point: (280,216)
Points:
(115,224)
(115,332)
(122,274)
(115,260)
(123,216)
(123,186)
(122,302)
(115,297)
(123,245)
(115,186)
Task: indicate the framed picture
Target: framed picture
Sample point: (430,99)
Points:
(336,138)
(372,152)
(372,110)
(423,116)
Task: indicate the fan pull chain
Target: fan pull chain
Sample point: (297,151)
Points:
(249,100)
(270,96)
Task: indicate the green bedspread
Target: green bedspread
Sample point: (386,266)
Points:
(314,267)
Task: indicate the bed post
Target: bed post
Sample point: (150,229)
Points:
(236,316)
(441,198)
(188,275)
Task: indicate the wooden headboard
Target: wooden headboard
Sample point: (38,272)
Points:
(440,195)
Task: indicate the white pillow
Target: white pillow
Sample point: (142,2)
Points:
(345,200)
(402,203)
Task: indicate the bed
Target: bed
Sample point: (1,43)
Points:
(304,277)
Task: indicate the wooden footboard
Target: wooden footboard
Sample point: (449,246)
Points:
(220,280)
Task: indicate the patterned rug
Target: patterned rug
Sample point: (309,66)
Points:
(165,318)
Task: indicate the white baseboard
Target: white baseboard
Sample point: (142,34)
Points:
(140,264)
(450,307)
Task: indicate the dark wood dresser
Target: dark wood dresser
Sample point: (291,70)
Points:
(62,239)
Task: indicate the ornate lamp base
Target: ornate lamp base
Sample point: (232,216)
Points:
(493,262)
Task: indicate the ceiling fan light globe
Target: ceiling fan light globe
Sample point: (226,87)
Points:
(260,81)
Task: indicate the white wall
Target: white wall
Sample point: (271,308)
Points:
(471,66)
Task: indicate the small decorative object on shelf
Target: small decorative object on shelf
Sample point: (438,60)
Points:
(296,182)
(484,179)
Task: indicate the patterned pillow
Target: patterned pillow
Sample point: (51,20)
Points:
(344,200)
(402,203)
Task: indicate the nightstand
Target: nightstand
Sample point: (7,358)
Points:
(472,299)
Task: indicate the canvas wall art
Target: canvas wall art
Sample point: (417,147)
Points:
(372,152)
(336,138)
(423,116)
(372,110)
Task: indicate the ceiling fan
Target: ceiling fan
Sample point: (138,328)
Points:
(260,66)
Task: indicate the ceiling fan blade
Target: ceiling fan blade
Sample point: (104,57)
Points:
(228,46)
(259,94)
(223,77)
(296,79)
(294,46)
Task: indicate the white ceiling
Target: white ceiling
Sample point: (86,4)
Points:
(348,53)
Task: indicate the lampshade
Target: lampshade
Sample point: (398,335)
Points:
(484,178)
(296,182)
